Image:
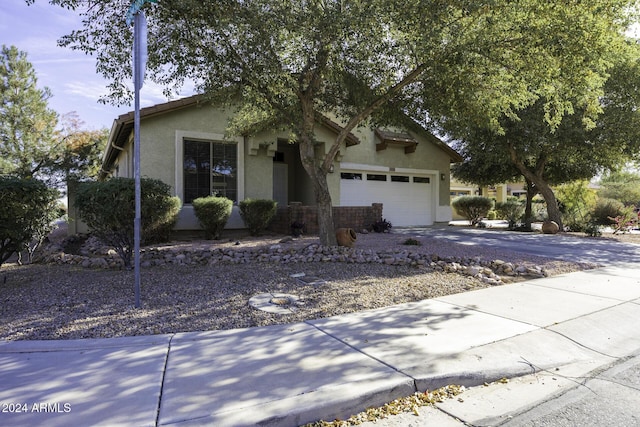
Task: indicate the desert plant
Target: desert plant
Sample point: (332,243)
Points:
(213,213)
(257,214)
(108,208)
(473,208)
(511,210)
(382,226)
(606,209)
(27,211)
(412,242)
(592,228)
(625,221)
(576,201)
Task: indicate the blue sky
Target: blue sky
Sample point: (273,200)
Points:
(69,74)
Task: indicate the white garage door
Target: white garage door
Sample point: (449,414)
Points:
(406,198)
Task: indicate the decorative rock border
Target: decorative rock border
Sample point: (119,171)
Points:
(95,255)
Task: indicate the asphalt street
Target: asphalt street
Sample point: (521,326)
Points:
(562,247)
(608,398)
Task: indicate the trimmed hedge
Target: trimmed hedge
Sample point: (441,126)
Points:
(473,208)
(213,213)
(108,208)
(257,214)
(512,210)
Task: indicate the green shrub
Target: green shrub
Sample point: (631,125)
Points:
(159,211)
(491,215)
(213,213)
(626,221)
(606,209)
(473,208)
(108,208)
(592,229)
(511,210)
(257,214)
(576,201)
(412,242)
(27,212)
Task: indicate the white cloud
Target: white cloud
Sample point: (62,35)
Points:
(92,90)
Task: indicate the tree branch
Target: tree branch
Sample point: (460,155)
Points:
(369,109)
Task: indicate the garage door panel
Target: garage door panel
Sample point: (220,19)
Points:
(405,202)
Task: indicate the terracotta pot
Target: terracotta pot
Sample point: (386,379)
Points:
(550,227)
(346,237)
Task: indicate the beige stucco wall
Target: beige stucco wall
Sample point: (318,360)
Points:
(161,158)
(258,175)
(158,138)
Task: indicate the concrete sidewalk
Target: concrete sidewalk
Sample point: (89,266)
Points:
(330,368)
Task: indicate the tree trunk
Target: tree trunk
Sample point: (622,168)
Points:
(553,211)
(528,209)
(321,191)
(318,173)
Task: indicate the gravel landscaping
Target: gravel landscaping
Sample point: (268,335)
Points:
(71,296)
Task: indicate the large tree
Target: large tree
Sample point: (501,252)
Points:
(35,143)
(548,155)
(81,149)
(285,63)
(621,185)
(27,125)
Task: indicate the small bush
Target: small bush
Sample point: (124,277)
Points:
(576,202)
(27,211)
(626,221)
(108,208)
(491,215)
(592,229)
(159,211)
(298,228)
(381,226)
(512,210)
(412,242)
(606,209)
(257,214)
(473,208)
(213,213)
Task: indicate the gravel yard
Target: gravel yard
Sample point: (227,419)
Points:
(50,301)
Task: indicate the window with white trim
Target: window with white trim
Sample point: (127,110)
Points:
(210,168)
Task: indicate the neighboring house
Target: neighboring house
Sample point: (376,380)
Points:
(183,143)
(498,192)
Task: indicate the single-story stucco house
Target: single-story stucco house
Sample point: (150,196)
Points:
(183,143)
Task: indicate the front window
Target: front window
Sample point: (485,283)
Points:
(210,168)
